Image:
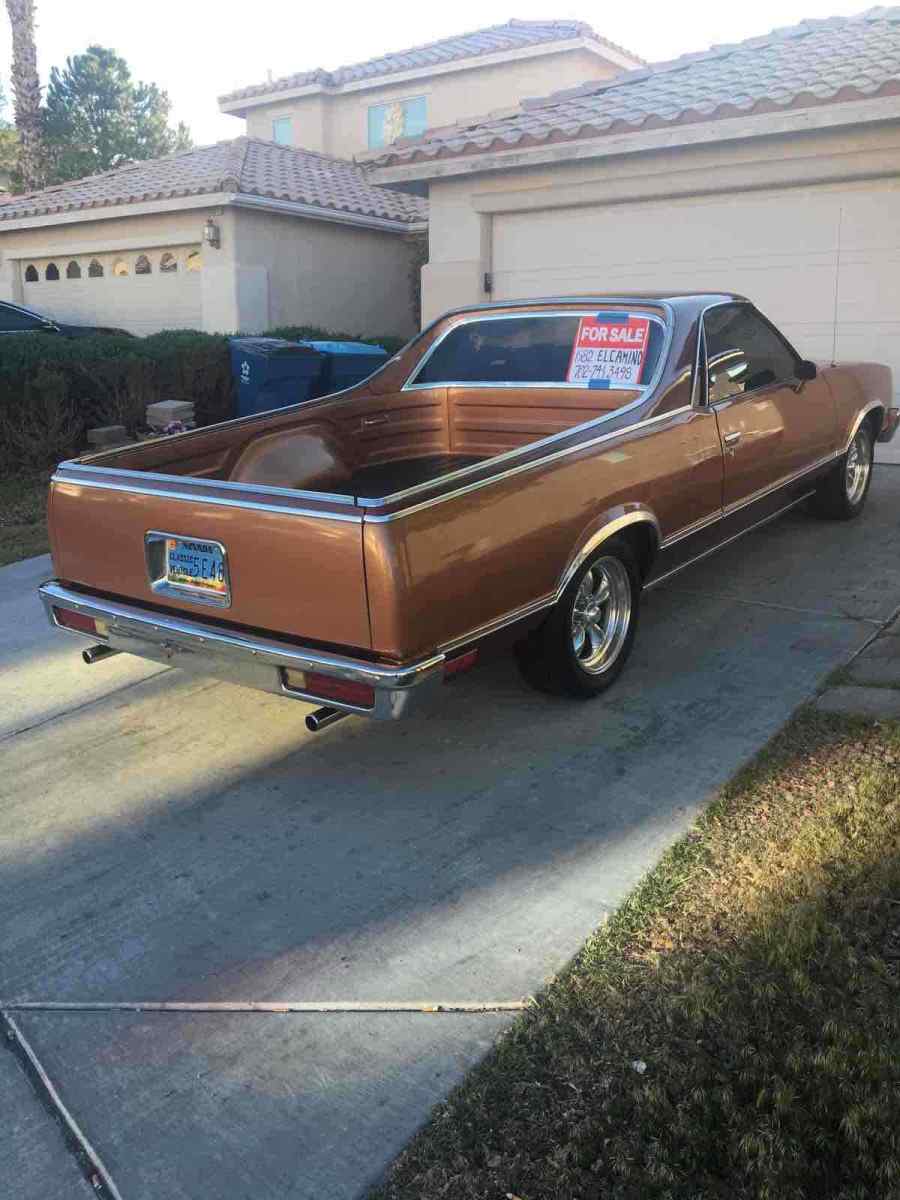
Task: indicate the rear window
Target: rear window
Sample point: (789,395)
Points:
(598,349)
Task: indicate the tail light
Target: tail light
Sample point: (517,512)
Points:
(80,622)
(462,662)
(327,687)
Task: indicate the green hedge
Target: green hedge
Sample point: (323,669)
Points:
(53,389)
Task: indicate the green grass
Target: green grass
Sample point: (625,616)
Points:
(733,1031)
(23,517)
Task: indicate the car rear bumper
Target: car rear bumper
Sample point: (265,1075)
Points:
(264,663)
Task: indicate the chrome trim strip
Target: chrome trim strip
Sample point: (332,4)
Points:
(642,516)
(529,466)
(721,545)
(198,481)
(480,317)
(210,649)
(870,407)
(737,505)
(354,519)
(784,481)
(510,618)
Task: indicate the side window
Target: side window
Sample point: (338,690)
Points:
(283,131)
(517,350)
(743,352)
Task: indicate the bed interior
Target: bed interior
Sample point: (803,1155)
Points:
(376,445)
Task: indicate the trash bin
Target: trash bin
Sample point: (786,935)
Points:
(272,373)
(347,363)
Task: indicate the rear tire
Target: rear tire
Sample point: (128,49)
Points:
(841,494)
(582,647)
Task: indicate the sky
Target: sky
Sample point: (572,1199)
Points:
(196,51)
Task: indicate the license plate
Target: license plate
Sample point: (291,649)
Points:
(196,566)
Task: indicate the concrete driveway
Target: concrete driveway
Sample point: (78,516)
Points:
(164,837)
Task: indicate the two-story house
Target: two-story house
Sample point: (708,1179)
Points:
(371,104)
(280,226)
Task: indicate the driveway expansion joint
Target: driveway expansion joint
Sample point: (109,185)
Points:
(89,1162)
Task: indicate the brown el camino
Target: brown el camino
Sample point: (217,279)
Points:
(519,473)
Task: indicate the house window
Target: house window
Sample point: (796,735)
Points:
(193,262)
(31,275)
(282,131)
(142,266)
(95,269)
(52,272)
(120,268)
(401,118)
(73,271)
(168,263)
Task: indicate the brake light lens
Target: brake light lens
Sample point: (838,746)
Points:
(80,622)
(327,687)
(462,662)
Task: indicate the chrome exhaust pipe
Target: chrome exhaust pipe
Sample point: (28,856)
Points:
(95,654)
(323,717)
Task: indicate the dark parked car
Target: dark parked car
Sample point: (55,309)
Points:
(15,319)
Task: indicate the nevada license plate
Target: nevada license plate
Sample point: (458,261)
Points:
(196,566)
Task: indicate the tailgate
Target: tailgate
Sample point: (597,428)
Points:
(294,562)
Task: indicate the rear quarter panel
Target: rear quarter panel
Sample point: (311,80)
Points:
(438,572)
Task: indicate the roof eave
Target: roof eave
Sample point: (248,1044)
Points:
(785,121)
(214,200)
(238,106)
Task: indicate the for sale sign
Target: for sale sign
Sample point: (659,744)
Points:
(609,350)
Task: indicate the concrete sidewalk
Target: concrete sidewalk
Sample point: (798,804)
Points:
(164,837)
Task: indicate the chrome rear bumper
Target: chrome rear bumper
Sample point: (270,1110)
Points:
(256,662)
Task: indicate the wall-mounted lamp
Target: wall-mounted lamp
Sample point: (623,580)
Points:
(211,233)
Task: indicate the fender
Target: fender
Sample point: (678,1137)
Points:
(603,527)
(861,416)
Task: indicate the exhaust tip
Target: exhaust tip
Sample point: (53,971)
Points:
(323,717)
(95,654)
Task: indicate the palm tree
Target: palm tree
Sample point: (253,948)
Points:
(26,88)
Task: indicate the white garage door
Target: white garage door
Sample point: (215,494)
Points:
(140,302)
(823,263)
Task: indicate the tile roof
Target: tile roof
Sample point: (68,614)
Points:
(815,62)
(247,165)
(514,35)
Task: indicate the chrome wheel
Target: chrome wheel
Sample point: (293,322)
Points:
(858,467)
(601,615)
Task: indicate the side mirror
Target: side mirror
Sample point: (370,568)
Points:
(806,370)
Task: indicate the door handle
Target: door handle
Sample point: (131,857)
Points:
(732,439)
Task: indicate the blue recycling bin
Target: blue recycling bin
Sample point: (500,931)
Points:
(347,363)
(273,373)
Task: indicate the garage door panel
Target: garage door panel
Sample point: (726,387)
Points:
(142,304)
(823,263)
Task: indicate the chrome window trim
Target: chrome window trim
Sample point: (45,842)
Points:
(474,318)
(528,466)
(754,391)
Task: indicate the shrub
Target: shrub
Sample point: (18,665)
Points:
(52,389)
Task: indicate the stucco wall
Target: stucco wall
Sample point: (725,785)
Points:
(468,214)
(294,271)
(338,124)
